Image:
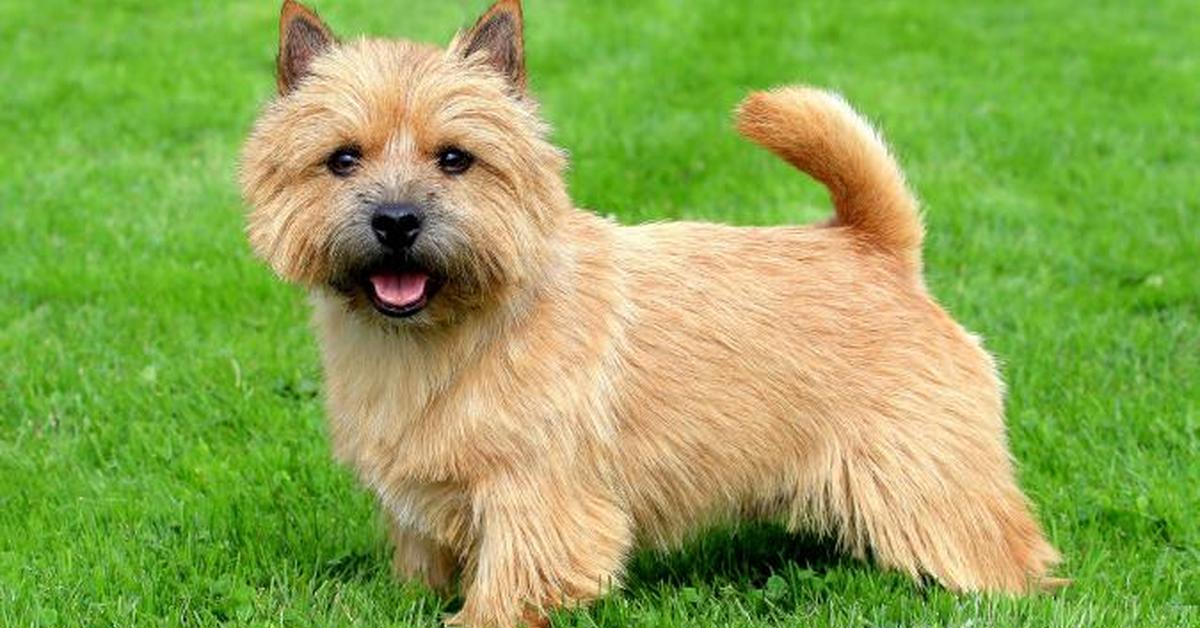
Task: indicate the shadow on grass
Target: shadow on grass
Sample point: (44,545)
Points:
(352,566)
(746,556)
(756,573)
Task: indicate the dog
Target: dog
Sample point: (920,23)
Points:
(534,391)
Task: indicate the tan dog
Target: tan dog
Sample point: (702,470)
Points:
(534,391)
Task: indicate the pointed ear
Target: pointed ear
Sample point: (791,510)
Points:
(302,37)
(498,34)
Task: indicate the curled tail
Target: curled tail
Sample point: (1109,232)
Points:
(819,133)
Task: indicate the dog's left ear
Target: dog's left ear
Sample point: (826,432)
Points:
(302,37)
(498,36)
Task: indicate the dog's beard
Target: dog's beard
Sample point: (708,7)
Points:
(456,277)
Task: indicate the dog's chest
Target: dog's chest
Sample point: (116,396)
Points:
(389,425)
(396,417)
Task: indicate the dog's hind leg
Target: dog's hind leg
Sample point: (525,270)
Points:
(929,507)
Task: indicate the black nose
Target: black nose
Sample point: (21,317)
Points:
(397,225)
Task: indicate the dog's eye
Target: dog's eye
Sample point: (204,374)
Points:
(344,161)
(454,160)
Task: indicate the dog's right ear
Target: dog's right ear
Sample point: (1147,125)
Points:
(302,37)
(498,35)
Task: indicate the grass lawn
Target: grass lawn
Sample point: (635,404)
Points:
(163,455)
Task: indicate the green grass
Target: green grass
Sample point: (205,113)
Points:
(162,448)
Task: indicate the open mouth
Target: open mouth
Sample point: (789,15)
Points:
(400,293)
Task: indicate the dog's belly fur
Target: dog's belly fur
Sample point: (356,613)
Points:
(643,380)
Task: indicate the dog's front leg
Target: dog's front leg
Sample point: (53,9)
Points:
(418,557)
(542,543)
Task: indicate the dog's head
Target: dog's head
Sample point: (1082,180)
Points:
(415,182)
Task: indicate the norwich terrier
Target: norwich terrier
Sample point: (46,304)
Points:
(534,391)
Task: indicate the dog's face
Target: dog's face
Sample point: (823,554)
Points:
(415,182)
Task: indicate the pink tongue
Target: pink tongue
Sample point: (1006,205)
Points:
(400,289)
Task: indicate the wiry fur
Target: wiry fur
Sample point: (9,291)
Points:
(581,387)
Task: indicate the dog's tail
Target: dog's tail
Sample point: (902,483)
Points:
(819,133)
